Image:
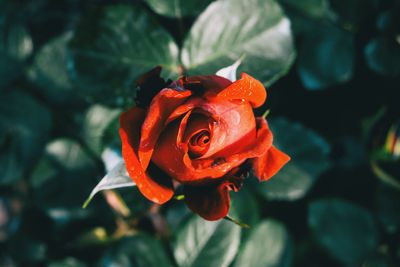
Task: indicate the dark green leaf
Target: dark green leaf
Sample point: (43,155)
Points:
(67,262)
(388,21)
(309,158)
(304,15)
(49,72)
(206,243)
(309,8)
(347,231)
(43,172)
(388,208)
(268,244)
(228,29)
(62,179)
(383,56)
(244,207)
(97,119)
(113,47)
(138,250)
(353,12)
(326,57)
(24,126)
(15,46)
(30,250)
(177,213)
(17,43)
(377,260)
(68,154)
(177,8)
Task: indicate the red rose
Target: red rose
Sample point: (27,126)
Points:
(201,132)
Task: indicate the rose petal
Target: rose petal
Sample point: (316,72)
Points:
(235,120)
(169,156)
(270,163)
(217,167)
(211,201)
(162,105)
(246,88)
(211,82)
(130,125)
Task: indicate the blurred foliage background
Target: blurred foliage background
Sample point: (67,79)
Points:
(331,69)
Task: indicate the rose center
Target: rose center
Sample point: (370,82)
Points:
(200,139)
(199,143)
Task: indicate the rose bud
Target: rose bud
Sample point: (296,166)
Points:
(201,132)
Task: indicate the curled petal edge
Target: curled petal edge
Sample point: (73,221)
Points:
(246,88)
(130,125)
(211,202)
(163,104)
(269,164)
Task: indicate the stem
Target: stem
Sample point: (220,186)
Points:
(384,176)
(179,197)
(241,224)
(266,113)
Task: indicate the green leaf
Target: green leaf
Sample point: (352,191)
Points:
(206,243)
(227,29)
(388,21)
(115,46)
(309,158)
(326,57)
(383,56)
(118,177)
(304,15)
(177,8)
(378,260)
(68,154)
(268,244)
(315,9)
(49,72)
(244,207)
(62,179)
(230,71)
(352,13)
(139,250)
(177,213)
(24,127)
(67,262)
(388,208)
(17,42)
(15,46)
(97,119)
(347,231)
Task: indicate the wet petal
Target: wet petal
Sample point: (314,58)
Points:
(130,125)
(163,104)
(234,120)
(169,156)
(246,88)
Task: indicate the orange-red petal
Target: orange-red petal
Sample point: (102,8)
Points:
(211,202)
(210,82)
(269,164)
(246,88)
(175,160)
(130,125)
(162,105)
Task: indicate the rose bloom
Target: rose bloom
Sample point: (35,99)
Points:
(199,132)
